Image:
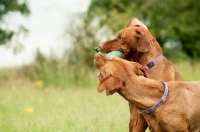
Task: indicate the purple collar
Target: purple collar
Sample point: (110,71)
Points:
(162,100)
(153,63)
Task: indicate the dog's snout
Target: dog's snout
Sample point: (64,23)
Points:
(101,45)
(96,57)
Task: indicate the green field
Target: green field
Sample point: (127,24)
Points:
(32,107)
(70,110)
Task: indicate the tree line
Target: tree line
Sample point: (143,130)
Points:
(174,23)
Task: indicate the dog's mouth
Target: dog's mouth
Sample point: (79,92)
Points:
(123,53)
(108,49)
(123,56)
(108,93)
(100,77)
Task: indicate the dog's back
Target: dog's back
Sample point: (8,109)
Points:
(182,106)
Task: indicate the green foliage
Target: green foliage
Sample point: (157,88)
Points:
(57,72)
(7,7)
(84,35)
(113,13)
(167,20)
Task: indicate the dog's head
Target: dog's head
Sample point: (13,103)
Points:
(130,41)
(115,72)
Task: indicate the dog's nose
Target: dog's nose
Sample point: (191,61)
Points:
(101,45)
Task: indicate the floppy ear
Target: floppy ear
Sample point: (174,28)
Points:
(110,84)
(144,43)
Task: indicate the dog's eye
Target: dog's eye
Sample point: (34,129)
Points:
(121,38)
(136,26)
(123,84)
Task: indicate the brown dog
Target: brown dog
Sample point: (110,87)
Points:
(177,111)
(140,46)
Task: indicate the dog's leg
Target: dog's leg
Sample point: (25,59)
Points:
(137,122)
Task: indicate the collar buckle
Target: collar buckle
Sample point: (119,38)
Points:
(153,63)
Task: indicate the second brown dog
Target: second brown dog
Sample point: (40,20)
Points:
(177,102)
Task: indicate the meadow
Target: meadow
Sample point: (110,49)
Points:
(36,109)
(32,106)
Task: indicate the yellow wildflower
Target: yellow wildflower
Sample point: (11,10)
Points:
(38,83)
(28,110)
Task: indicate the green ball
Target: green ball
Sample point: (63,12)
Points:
(113,54)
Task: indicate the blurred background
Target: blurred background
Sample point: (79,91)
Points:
(48,40)
(48,46)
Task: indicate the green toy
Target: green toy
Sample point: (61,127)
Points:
(96,49)
(111,54)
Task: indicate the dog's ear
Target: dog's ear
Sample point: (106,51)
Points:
(110,84)
(144,43)
(134,22)
(139,70)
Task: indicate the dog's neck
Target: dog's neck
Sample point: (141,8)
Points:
(144,93)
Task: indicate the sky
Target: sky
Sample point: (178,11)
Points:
(46,25)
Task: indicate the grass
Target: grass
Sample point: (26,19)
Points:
(189,70)
(34,107)
(56,110)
